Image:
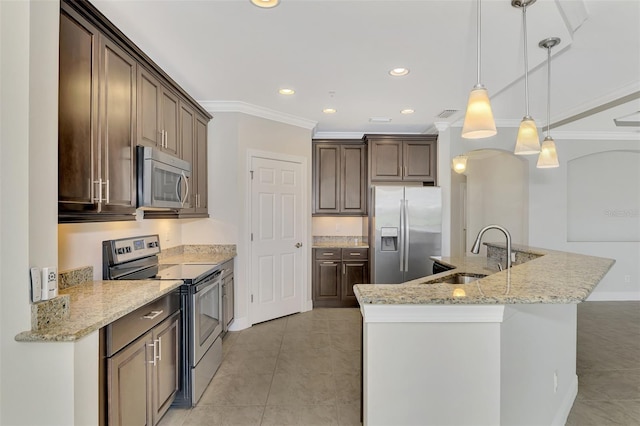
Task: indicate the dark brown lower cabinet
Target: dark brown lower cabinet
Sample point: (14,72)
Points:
(143,377)
(335,273)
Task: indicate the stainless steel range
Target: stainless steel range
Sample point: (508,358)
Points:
(200,302)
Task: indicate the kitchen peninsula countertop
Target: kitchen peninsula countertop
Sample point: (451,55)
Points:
(95,304)
(553,277)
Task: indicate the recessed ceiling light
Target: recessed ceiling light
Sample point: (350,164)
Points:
(329,110)
(266,4)
(286,91)
(399,72)
(407,111)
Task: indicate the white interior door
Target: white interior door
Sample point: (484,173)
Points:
(277,236)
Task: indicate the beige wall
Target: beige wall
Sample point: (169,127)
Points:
(231,138)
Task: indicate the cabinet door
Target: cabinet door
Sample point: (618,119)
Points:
(118,126)
(77,114)
(170,116)
(419,161)
(386,160)
(129,375)
(149,93)
(166,337)
(200,162)
(353,199)
(188,153)
(353,273)
(326,281)
(326,178)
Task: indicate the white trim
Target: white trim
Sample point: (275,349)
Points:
(605,136)
(567,403)
(604,296)
(306,215)
(257,111)
(239,324)
(432,313)
(308,306)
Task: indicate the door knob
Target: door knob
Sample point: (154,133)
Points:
(298,245)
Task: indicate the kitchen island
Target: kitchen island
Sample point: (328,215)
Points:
(498,350)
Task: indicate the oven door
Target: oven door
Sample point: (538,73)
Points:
(207,320)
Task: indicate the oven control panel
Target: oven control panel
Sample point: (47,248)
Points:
(127,249)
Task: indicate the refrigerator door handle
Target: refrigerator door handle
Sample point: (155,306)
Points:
(406,232)
(401,236)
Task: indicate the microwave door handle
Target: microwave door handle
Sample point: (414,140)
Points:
(178,184)
(186,194)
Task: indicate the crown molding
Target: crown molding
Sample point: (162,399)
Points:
(338,135)
(257,111)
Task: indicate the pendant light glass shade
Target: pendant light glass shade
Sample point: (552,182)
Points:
(459,164)
(478,120)
(527,142)
(548,158)
(548,155)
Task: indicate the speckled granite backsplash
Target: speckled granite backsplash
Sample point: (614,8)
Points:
(75,276)
(351,239)
(50,312)
(497,253)
(198,249)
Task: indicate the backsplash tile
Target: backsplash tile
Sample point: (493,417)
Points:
(75,276)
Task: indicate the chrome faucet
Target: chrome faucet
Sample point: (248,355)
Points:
(476,246)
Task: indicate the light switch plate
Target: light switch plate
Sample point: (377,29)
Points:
(36,285)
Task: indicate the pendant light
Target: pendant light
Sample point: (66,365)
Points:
(527,141)
(459,163)
(478,120)
(548,156)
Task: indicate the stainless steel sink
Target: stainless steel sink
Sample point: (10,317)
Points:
(458,278)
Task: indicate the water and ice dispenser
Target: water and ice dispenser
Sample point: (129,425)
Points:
(389,239)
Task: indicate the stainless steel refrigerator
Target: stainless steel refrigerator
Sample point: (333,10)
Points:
(407,224)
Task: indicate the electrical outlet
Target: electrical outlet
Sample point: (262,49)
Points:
(555,382)
(627,279)
(36,285)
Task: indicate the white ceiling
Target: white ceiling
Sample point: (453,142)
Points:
(230,53)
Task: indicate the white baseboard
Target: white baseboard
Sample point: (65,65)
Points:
(602,296)
(567,403)
(239,324)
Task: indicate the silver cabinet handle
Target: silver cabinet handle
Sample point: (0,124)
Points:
(159,348)
(107,191)
(344,269)
(327,254)
(329,263)
(355,254)
(152,314)
(155,353)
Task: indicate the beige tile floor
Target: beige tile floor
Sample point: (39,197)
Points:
(305,370)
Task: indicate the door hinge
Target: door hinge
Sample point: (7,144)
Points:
(252,236)
(251,171)
(252,298)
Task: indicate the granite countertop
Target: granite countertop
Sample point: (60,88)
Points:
(340,241)
(198,258)
(551,277)
(95,304)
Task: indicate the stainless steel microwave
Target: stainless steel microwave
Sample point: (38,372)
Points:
(162,180)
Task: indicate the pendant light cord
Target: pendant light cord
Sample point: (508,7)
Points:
(548,91)
(478,38)
(526,62)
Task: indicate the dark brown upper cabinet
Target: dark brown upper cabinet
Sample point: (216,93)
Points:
(193,138)
(97,122)
(113,97)
(157,114)
(339,178)
(403,158)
